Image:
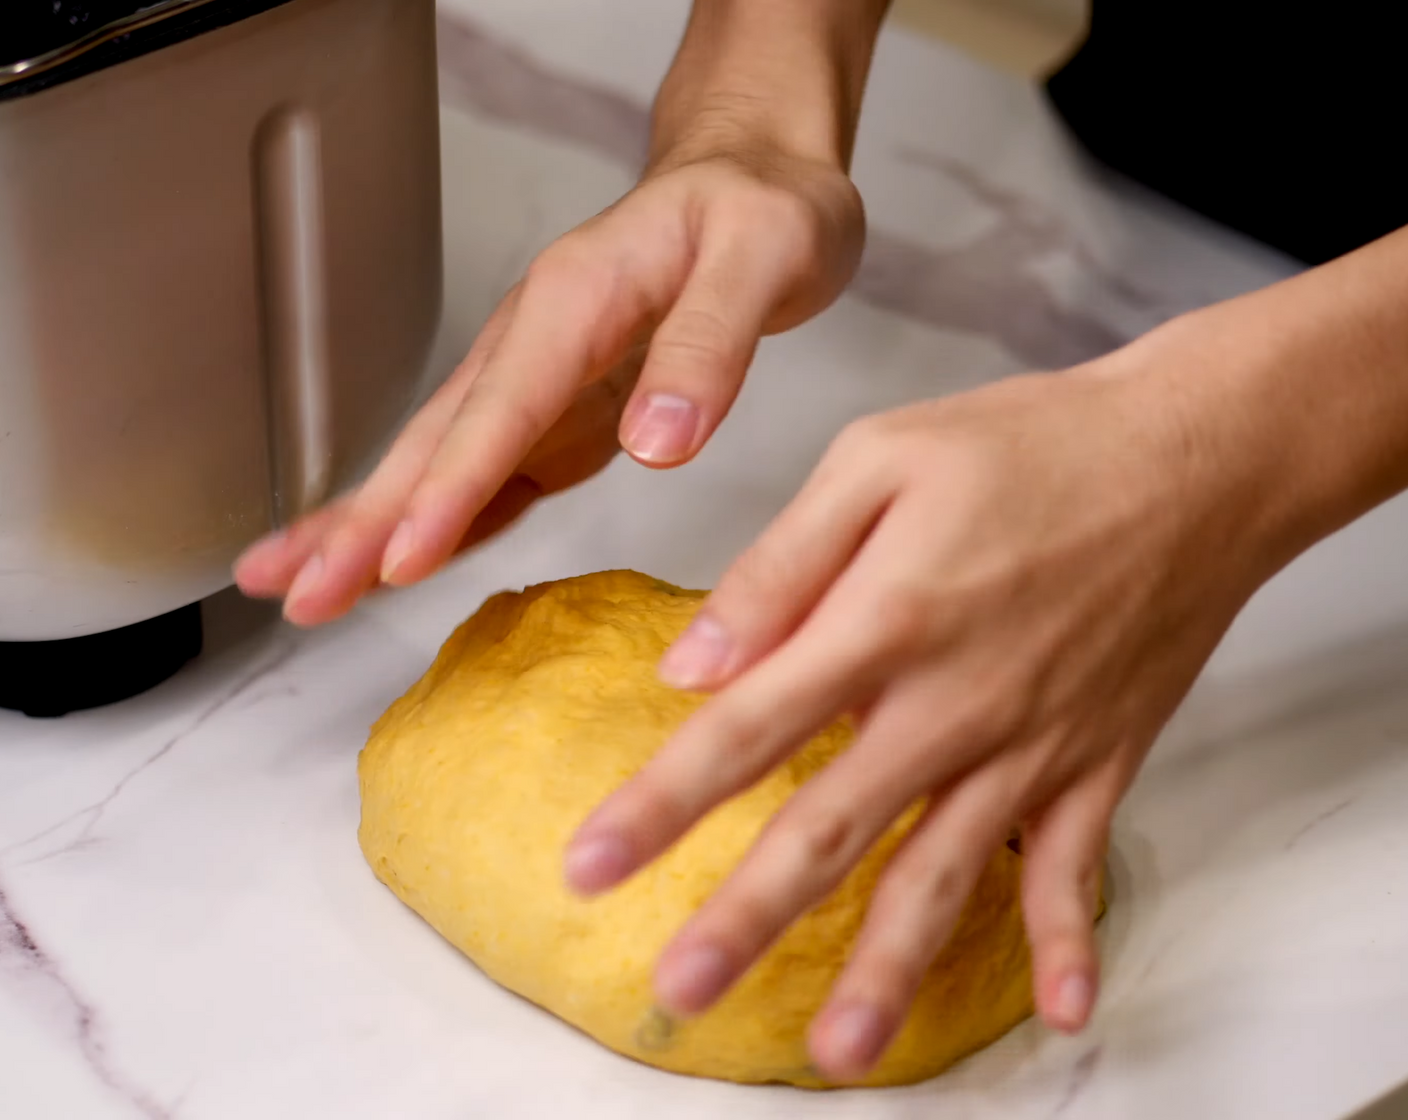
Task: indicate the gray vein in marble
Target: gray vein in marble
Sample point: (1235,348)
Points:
(1192,923)
(1318,820)
(1159,954)
(508,85)
(981,288)
(22,955)
(1082,1071)
(1044,229)
(92,814)
(273,692)
(986,287)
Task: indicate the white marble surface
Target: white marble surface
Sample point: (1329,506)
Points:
(187,929)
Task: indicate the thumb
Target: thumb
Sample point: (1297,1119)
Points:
(702,349)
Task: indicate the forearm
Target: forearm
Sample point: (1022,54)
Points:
(1300,390)
(790,73)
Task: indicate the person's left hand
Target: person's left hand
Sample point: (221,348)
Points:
(636,328)
(581,442)
(1013,588)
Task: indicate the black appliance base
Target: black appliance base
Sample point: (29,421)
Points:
(50,679)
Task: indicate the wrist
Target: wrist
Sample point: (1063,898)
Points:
(783,76)
(1235,452)
(1289,405)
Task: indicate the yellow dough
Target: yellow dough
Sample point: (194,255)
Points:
(538,707)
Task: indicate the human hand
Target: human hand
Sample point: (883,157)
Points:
(641,322)
(1013,588)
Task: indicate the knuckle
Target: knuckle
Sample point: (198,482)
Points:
(740,744)
(858,455)
(987,721)
(890,975)
(522,410)
(786,215)
(822,839)
(654,807)
(745,918)
(564,268)
(737,728)
(922,898)
(524,413)
(355,529)
(756,578)
(924,453)
(903,619)
(550,268)
(1059,931)
(695,336)
(378,504)
(876,445)
(859,439)
(941,886)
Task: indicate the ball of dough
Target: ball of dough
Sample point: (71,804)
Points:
(540,705)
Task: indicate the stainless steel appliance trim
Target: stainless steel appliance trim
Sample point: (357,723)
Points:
(14,71)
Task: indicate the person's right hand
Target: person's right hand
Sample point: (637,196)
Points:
(677,281)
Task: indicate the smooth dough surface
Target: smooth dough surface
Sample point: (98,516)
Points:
(538,707)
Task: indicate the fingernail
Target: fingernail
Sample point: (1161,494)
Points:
(397,549)
(597,863)
(1073,1001)
(307,580)
(699,655)
(856,1037)
(662,431)
(691,980)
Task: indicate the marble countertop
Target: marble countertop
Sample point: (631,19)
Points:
(187,929)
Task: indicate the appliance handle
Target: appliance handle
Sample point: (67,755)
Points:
(289,201)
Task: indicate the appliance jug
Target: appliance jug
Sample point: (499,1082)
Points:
(220,279)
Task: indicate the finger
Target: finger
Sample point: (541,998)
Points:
(724,747)
(768,591)
(839,658)
(507,506)
(916,905)
(585,438)
(815,840)
(580,307)
(345,558)
(267,567)
(1063,848)
(701,351)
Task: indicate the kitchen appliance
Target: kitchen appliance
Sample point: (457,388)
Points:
(220,279)
(1393,1105)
